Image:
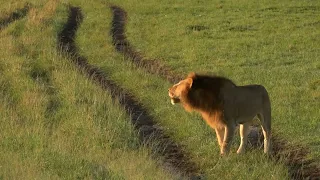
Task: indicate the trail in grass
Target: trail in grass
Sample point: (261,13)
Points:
(122,45)
(295,158)
(17,14)
(150,133)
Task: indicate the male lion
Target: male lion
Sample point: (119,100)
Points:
(224,105)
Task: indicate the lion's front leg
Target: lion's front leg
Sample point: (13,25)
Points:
(220,136)
(228,136)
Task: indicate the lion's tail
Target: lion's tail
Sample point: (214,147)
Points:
(265,115)
(265,118)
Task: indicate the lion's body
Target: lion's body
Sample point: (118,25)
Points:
(243,103)
(223,105)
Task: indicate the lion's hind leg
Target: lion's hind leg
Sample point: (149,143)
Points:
(266,129)
(244,131)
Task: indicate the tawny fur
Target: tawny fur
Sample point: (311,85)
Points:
(223,105)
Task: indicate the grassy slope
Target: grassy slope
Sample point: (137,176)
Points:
(9,7)
(95,43)
(54,122)
(271,43)
(80,145)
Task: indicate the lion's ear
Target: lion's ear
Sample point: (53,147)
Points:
(189,81)
(191,75)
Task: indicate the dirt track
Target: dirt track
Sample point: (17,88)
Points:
(17,14)
(174,158)
(122,45)
(294,157)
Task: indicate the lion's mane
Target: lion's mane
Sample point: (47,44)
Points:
(205,93)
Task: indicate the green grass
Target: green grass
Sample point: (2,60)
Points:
(270,43)
(55,123)
(187,129)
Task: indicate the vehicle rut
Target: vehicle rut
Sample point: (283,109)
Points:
(295,158)
(150,133)
(15,15)
(122,45)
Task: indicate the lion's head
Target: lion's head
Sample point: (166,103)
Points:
(179,91)
(199,92)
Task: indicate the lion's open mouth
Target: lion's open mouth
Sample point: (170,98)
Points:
(174,101)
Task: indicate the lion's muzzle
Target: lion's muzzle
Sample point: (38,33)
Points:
(173,98)
(174,101)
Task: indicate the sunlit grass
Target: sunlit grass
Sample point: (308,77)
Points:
(55,123)
(189,130)
(270,43)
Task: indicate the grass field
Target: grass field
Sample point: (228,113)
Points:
(274,44)
(56,123)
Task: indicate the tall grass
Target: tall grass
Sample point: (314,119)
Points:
(199,140)
(272,43)
(55,123)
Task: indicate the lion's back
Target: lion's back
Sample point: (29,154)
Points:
(245,102)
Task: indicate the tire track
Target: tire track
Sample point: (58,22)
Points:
(17,14)
(43,77)
(122,45)
(295,158)
(174,158)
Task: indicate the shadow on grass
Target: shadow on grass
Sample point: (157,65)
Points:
(62,164)
(295,158)
(41,75)
(197,28)
(149,132)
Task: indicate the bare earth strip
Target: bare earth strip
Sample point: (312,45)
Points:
(17,14)
(174,158)
(294,157)
(122,45)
